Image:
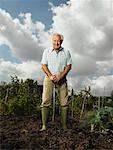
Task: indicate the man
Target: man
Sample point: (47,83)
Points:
(56,63)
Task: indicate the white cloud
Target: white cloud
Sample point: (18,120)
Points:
(102,85)
(87,26)
(104,67)
(82,66)
(24,70)
(25,39)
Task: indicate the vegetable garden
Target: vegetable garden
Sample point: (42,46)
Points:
(90,119)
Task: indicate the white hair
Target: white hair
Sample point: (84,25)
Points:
(60,35)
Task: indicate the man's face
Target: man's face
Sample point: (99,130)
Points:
(56,42)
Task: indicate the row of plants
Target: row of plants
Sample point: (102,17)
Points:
(23,97)
(20,97)
(94,113)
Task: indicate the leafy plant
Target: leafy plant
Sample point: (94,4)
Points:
(3,107)
(20,97)
(102,120)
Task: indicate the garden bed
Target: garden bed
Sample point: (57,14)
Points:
(22,133)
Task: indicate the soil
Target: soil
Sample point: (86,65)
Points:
(22,133)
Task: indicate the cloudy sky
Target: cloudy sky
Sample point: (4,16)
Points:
(87,25)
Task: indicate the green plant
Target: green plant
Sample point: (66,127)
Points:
(3,107)
(14,107)
(102,120)
(20,97)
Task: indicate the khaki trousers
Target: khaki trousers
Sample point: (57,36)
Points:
(48,86)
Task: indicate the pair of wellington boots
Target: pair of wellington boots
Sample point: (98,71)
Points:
(45,112)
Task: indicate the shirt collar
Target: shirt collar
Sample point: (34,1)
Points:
(59,49)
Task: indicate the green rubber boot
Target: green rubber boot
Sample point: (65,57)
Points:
(64,117)
(44,113)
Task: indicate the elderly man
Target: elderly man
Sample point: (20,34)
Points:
(56,63)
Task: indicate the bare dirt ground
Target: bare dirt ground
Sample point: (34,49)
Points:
(22,133)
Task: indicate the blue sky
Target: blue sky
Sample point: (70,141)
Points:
(40,10)
(25,31)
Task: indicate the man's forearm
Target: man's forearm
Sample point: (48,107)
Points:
(53,77)
(46,70)
(65,72)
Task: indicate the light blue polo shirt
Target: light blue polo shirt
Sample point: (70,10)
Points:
(56,61)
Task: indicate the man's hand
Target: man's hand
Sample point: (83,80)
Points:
(57,79)
(54,78)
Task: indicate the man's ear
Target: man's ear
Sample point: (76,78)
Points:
(61,41)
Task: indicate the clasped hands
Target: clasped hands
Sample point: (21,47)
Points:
(55,79)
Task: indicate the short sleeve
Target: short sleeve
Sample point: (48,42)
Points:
(69,59)
(44,57)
